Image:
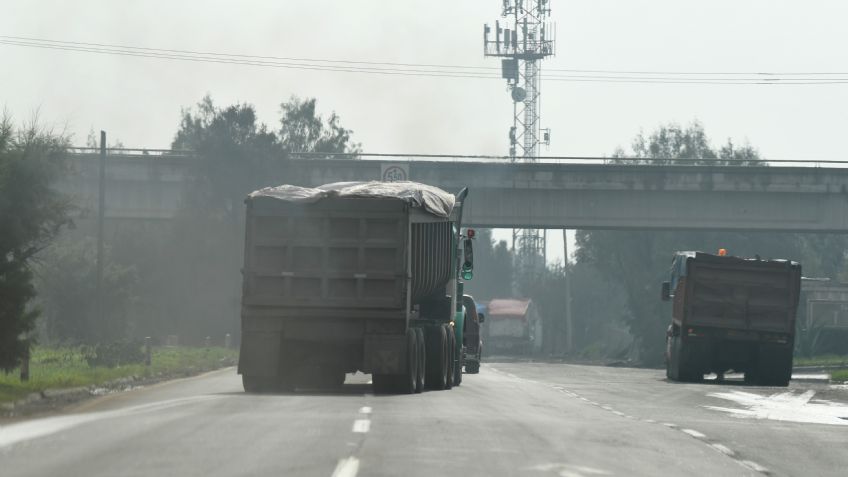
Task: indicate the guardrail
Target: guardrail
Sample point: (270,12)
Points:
(485,158)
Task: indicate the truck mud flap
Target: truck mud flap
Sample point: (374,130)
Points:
(260,353)
(384,354)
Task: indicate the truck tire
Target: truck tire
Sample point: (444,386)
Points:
(457,369)
(437,353)
(774,366)
(258,384)
(672,366)
(682,365)
(404,383)
(422,360)
(409,379)
(383,383)
(451,355)
(472,367)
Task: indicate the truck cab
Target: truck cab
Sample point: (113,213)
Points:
(472,338)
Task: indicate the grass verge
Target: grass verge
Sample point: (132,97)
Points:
(840,376)
(824,360)
(58,368)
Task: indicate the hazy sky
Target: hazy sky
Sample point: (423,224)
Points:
(138,100)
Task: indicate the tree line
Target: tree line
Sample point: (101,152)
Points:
(182,276)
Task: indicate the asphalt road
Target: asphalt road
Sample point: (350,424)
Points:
(512,419)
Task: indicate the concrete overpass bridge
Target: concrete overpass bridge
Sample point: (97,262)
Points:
(541,195)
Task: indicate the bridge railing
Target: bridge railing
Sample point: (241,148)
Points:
(485,158)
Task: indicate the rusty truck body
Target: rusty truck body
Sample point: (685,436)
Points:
(731,313)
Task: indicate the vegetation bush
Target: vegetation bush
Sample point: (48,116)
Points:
(118,353)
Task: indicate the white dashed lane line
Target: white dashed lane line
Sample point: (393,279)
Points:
(721,448)
(347,467)
(361,426)
(693,433)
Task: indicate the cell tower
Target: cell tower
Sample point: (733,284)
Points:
(525,38)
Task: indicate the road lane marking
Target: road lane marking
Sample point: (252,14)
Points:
(347,467)
(754,466)
(723,449)
(567,471)
(365,410)
(693,433)
(361,426)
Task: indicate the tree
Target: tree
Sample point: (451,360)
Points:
(31,214)
(67,276)
(493,269)
(638,261)
(235,154)
(304,131)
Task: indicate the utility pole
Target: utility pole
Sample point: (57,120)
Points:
(569,340)
(525,39)
(101,214)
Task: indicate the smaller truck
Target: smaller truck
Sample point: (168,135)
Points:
(731,313)
(512,327)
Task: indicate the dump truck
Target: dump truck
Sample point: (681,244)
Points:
(353,277)
(731,313)
(512,326)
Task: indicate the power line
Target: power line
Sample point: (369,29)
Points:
(421,65)
(428,70)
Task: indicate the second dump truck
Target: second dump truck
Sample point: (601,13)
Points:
(731,313)
(354,277)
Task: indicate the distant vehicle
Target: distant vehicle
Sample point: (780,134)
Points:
(512,327)
(472,338)
(731,313)
(354,277)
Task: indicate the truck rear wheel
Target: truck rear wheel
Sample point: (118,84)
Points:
(774,366)
(258,384)
(451,352)
(406,382)
(437,354)
(409,378)
(681,366)
(422,360)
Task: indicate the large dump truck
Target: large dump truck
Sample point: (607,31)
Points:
(354,277)
(731,313)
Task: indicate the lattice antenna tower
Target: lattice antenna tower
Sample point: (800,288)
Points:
(522,39)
